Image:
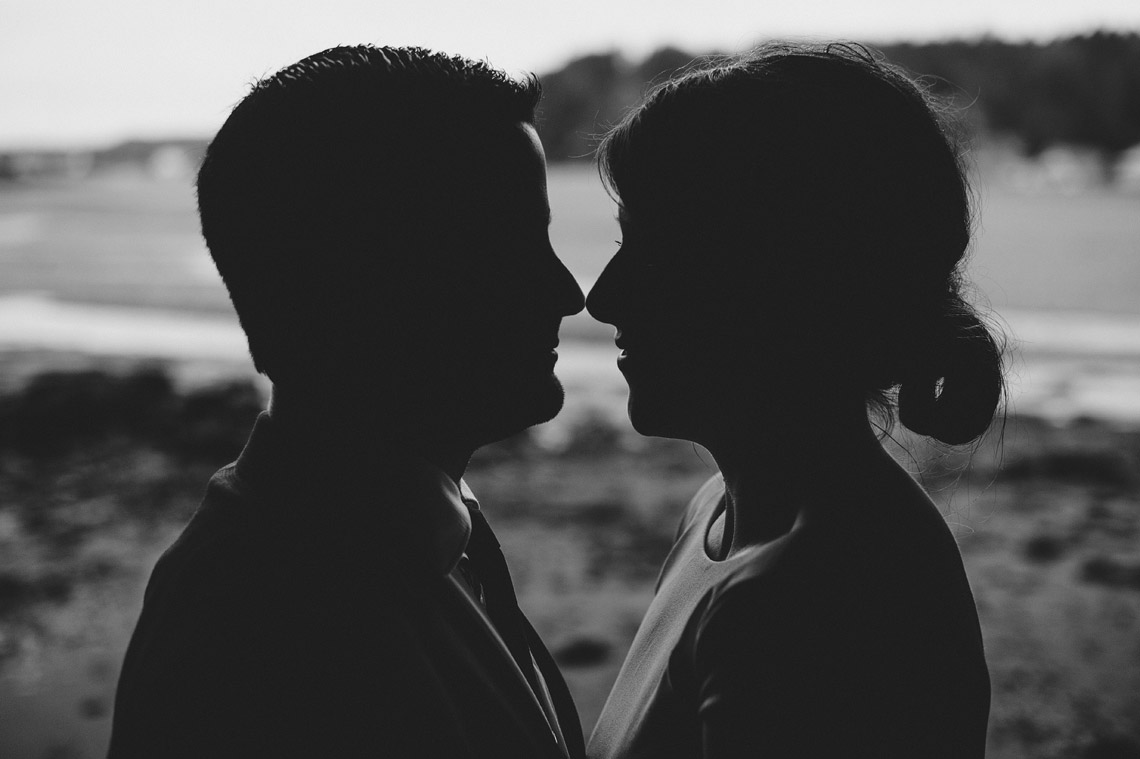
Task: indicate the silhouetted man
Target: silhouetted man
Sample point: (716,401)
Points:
(379,216)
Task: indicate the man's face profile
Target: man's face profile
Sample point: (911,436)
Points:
(505,296)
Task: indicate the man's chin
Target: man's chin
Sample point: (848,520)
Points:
(526,406)
(549,404)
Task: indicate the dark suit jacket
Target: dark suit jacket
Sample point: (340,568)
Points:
(307,610)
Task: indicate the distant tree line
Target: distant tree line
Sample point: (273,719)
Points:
(1081,90)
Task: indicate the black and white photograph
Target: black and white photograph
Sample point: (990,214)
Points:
(579,380)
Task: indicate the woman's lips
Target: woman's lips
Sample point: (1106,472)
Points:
(620,342)
(623,356)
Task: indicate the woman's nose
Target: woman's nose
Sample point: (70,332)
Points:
(605,298)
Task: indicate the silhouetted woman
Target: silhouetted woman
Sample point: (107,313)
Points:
(793,226)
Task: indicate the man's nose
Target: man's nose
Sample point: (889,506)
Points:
(567,297)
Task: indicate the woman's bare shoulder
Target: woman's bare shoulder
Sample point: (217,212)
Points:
(702,504)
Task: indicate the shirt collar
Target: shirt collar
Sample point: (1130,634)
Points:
(444,505)
(407,502)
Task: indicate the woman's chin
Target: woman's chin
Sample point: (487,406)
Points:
(652,417)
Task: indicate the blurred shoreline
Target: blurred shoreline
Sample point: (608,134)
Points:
(1063,365)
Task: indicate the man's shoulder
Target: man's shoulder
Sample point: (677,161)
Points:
(236,576)
(218,550)
(215,529)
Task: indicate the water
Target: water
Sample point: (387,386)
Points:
(117,267)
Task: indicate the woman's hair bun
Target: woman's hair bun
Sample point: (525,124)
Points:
(957,384)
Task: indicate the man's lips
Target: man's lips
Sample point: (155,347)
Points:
(508,351)
(549,349)
(530,343)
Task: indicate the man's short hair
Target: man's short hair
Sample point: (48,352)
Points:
(336,173)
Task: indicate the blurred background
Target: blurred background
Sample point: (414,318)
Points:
(124,381)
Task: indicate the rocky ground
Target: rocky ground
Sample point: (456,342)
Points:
(99,468)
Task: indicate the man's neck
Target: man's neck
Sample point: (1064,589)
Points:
(363,428)
(452,462)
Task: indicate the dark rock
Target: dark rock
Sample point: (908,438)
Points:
(1113,747)
(18,592)
(1102,570)
(1044,548)
(1106,467)
(582,652)
(93,707)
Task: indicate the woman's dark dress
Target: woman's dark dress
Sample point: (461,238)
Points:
(854,638)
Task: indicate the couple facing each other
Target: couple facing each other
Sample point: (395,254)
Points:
(793,224)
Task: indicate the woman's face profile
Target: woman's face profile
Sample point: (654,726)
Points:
(688,350)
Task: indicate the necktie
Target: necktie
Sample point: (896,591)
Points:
(490,567)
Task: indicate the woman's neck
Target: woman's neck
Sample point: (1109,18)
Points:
(778,477)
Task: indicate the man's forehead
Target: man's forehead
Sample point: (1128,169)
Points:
(510,177)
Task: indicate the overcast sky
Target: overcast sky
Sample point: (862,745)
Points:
(89,72)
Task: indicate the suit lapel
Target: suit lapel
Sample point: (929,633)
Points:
(504,672)
(563,703)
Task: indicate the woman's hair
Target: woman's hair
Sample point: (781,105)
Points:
(835,171)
